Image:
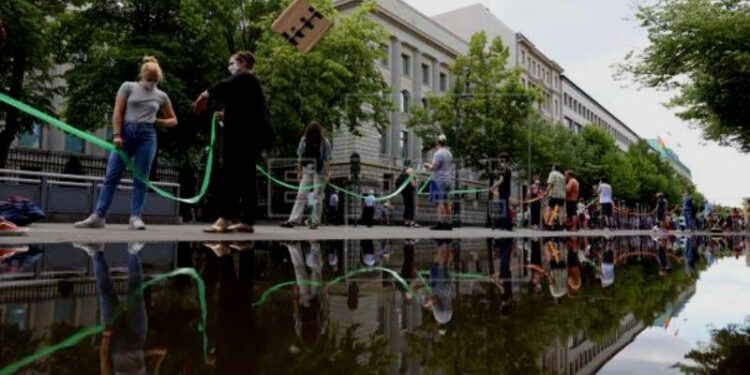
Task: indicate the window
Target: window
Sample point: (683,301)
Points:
(426,74)
(528,62)
(384,142)
(443,81)
(74,144)
(31,138)
(405,101)
(404,144)
(386,60)
(406,64)
(424,102)
(556,107)
(523,57)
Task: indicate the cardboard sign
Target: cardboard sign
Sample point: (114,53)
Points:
(301,25)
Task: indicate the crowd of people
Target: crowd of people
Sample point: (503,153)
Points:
(141,107)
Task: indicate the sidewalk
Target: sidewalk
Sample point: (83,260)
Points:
(59,233)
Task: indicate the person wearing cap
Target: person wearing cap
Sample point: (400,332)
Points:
(441,164)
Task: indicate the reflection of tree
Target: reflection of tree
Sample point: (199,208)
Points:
(480,340)
(15,343)
(727,354)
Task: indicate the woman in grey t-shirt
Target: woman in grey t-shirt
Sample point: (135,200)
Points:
(133,123)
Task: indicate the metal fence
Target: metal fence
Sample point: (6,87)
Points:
(91,165)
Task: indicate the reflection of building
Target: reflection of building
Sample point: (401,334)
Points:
(670,156)
(582,356)
(674,308)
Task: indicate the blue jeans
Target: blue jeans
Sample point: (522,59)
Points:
(129,331)
(139,143)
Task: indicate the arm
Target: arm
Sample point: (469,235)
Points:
(105,365)
(170,119)
(218,91)
(117,116)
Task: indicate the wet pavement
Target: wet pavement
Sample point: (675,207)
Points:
(555,305)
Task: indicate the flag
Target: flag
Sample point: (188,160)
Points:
(301,25)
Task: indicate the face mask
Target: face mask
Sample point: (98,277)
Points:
(149,85)
(233,68)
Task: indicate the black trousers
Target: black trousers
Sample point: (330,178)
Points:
(368,213)
(408,208)
(536,212)
(238,193)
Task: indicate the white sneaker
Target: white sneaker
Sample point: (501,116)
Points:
(93,221)
(135,247)
(137,224)
(90,248)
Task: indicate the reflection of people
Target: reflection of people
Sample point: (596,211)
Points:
(573,267)
(124,338)
(537,269)
(244,112)
(368,252)
(230,278)
(310,308)
(134,122)
(607,265)
(313,168)
(440,299)
(558,271)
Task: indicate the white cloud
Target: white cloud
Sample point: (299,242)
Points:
(587,37)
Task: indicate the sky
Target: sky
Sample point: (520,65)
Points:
(587,37)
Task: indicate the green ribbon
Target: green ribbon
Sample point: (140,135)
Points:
(101,143)
(90,331)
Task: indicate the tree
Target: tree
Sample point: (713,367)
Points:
(26,62)
(700,49)
(486,109)
(337,83)
(726,354)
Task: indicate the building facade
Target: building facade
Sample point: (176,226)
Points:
(580,109)
(670,156)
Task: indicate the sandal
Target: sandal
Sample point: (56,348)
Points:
(241,228)
(217,227)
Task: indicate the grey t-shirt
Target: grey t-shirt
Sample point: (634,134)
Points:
(141,104)
(442,162)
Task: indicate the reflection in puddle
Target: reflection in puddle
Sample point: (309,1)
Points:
(545,305)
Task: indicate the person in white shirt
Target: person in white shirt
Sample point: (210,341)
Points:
(605,202)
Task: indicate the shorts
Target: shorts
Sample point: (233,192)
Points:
(440,190)
(571,208)
(606,209)
(556,202)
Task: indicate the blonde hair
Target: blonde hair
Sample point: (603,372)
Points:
(151,66)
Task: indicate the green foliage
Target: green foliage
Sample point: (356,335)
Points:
(26,62)
(484,113)
(699,48)
(727,354)
(337,83)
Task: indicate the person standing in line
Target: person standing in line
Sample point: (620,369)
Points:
(556,193)
(604,190)
(409,194)
(571,199)
(314,165)
(245,113)
(442,162)
(661,211)
(687,211)
(333,209)
(536,205)
(139,108)
(501,189)
(368,209)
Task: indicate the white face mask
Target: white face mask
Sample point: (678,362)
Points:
(149,85)
(233,68)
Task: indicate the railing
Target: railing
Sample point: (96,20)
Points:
(90,165)
(64,197)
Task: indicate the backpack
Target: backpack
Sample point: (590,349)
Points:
(21,211)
